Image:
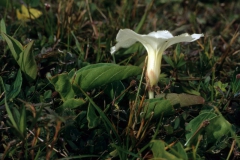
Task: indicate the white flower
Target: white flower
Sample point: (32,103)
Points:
(155,43)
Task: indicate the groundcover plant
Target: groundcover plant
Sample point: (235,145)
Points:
(140,79)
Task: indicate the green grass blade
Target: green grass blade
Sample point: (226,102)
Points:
(22,122)
(10,115)
(3,26)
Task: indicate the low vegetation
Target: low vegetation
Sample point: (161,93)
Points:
(63,95)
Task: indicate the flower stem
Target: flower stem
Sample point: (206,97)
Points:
(150,94)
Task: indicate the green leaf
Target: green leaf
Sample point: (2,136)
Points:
(47,96)
(182,99)
(157,108)
(93,119)
(220,88)
(9,112)
(72,103)
(23,56)
(158,149)
(169,61)
(22,123)
(180,63)
(164,104)
(217,128)
(16,115)
(195,127)
(16,86)
(89,78)
(91,66)
(3,26)
(62,85)
(14,89)
(15,46)
(28,63)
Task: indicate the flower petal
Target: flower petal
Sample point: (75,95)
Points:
(161,34)
(126,37)
(196,36)
(183,38)
(153,67)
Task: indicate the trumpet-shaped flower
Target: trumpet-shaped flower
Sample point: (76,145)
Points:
(155,43)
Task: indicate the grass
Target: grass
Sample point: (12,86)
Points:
(64,96)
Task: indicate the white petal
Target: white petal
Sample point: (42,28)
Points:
(126,37)
(196,36)
(161,34)
(183,38)
(153,67)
